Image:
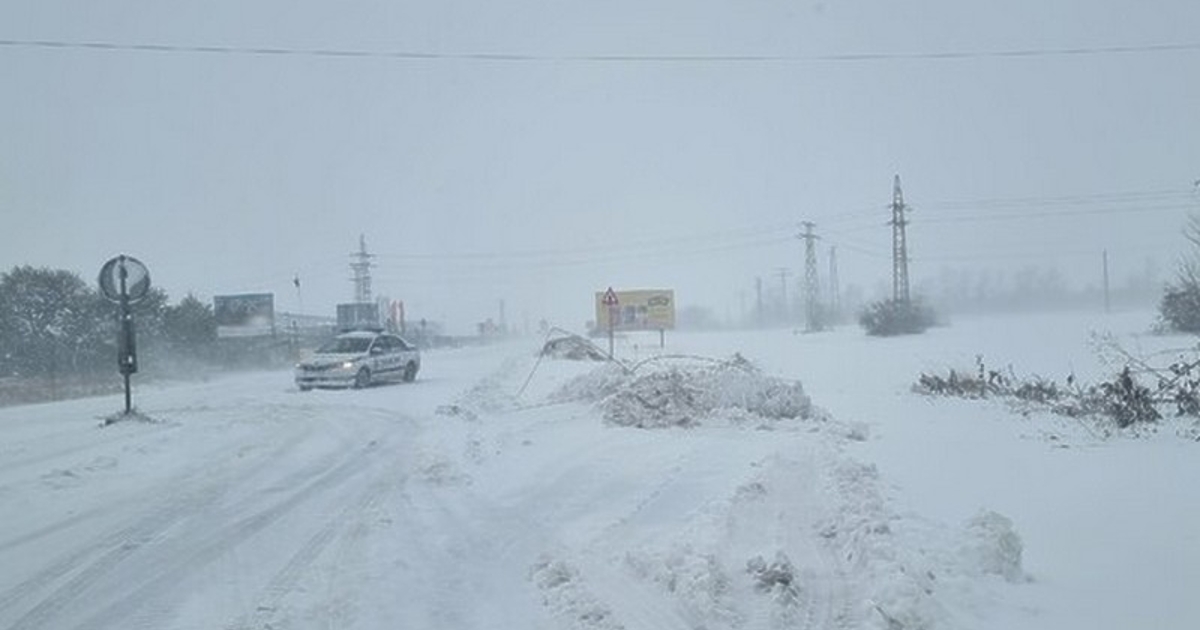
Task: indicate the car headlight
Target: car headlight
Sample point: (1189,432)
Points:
(348,365)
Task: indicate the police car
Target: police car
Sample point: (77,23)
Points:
(359,359)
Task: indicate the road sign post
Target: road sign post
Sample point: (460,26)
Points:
(614,310)
(125,281)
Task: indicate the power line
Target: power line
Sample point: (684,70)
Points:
(499,261)
(725,239)
(1106,197)
(611,58)
(1043,214)
(1019,208)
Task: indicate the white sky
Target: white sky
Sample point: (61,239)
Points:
(542,179)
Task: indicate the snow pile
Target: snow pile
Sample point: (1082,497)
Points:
(568,599)
(593,386)
(778,577)
(132,415)
(694,579)
(684,395)
(915,574)
(993,547)
(573,348)
(895,588)
(491,394)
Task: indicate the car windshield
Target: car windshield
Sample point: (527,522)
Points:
(345,345)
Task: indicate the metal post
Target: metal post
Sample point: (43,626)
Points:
(117,286)
(125,333)
(610,332)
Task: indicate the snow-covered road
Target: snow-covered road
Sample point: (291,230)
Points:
(456,503)
(444,504)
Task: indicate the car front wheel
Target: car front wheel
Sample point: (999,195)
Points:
(410,372)
(362,379)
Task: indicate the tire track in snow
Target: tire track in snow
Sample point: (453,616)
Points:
(165,488)
(166,577)
(88,568)
(42,457)
(143,529)
(269,602)
(582,585)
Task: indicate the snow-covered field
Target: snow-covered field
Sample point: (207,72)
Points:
(502,492)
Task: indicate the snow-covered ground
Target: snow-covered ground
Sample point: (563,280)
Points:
(499,491)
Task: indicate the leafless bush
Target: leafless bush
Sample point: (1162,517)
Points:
(1124,400)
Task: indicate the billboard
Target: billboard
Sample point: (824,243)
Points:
(245,315)
(642,309)
(358,316)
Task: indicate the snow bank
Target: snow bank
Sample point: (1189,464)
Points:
(491,394)
(910,572)
(684,392)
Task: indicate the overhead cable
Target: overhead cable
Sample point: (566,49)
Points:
(603,58)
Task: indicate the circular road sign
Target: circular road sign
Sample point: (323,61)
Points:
(124,277)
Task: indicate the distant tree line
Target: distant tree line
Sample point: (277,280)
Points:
(961,290)
(54,325)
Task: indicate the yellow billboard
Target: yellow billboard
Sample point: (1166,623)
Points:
(641,309)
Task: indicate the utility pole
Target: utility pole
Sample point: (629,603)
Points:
(362,271)
(835,299)
(783,274)
(812,289)
(899,246)
(758,306)
(1107,303)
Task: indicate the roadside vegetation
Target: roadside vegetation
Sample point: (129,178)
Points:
(58,335)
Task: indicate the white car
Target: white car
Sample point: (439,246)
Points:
(359,359)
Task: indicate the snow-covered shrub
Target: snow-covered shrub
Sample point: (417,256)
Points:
(1179,308)
(896,317)
(964,383)
(1125,400)
(1122,400)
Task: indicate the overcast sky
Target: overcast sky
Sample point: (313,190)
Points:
(536,151)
